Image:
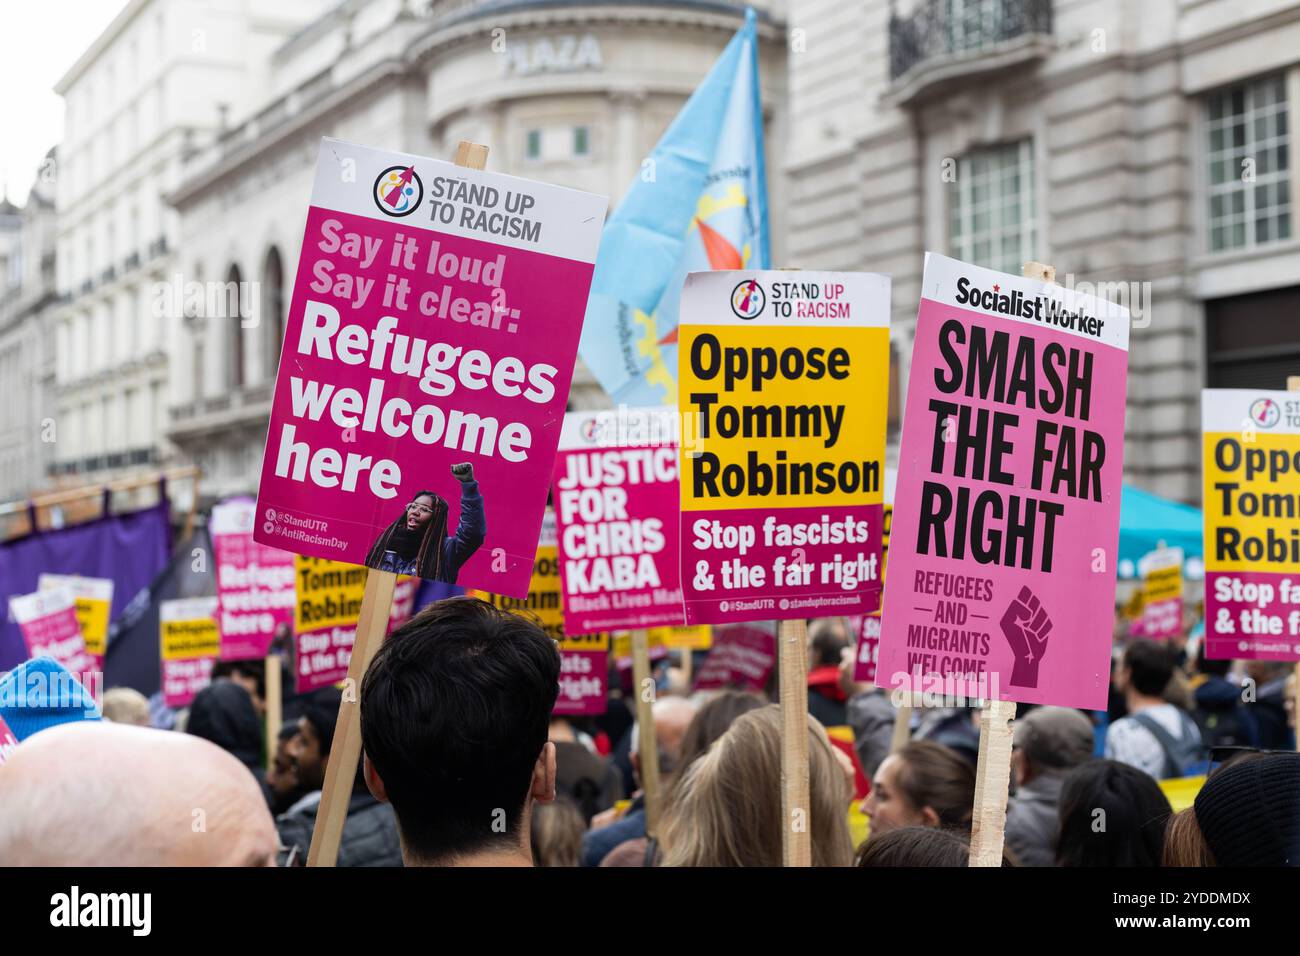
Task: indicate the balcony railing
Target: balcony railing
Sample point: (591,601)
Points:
(946,28)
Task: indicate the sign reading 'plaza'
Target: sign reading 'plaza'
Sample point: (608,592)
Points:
(561,54)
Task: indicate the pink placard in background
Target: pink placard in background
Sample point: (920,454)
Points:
(616,512)
(48,622)
(255,592)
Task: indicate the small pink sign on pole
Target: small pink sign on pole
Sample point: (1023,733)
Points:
(48,622)
(616,511)
(742,657)
(255,590)
(190,643)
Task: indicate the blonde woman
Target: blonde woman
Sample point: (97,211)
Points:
(726,810)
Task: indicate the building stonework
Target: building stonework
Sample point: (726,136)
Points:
(1112,100)
(572,94)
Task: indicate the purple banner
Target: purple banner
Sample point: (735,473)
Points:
(130,549)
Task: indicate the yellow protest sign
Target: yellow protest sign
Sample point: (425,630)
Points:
(190,642)
(1251,446)
(697,638)
(328,593)
(783,396)
(544,599)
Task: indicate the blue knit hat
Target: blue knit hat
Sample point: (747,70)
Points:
(42,693)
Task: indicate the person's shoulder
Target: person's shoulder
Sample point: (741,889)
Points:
(304,807)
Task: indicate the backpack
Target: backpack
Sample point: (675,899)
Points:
(1184,755)
(1224,727)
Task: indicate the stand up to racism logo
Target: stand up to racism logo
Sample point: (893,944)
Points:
(398,191)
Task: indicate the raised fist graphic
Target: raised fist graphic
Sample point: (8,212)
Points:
(1025,625)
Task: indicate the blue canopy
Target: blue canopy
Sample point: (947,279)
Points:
(1146,519)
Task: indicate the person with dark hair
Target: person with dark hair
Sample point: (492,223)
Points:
(1112,814)
(455,711)
(1220,712)
(1156,736)
(223,713)
(1270,706)
(250,675)
(281,779)
(370,829)
(915,846)
(924,784)
(1247,814)
(1048,743)
(582,775)
(417,542)
(828,638)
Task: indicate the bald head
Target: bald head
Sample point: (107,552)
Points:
(671,718)
(112,794)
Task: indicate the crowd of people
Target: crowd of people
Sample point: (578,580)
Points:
(464,763)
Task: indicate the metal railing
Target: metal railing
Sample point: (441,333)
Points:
(938,28)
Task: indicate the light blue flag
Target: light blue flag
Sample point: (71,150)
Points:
(700,203)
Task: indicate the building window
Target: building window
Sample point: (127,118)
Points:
(234,329)
(273,311)
(992,210)
(974,24)
(533,145)
(581,141)
(1249,165)
(1251,340)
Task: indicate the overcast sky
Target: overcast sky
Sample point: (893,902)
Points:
(42,40)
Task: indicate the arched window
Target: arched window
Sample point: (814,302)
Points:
(272,311)
(195,327)
(234,330)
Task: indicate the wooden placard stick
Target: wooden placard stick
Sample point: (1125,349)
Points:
(992,782)
(274,706)
(902,728)
(341,769)
(647,739)
(376,605)
(792,662)
(993,772)
(796,833)
(1293,385)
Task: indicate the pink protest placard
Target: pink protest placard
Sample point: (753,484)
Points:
(867,627)
(584,672)
(617,516)
(48,622)
(429,347)
(1251,496)
(742,657)
(190,644)
(255,591)
(323,656)
(866,630)
(7,741)
(783,395)
(1006,518)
